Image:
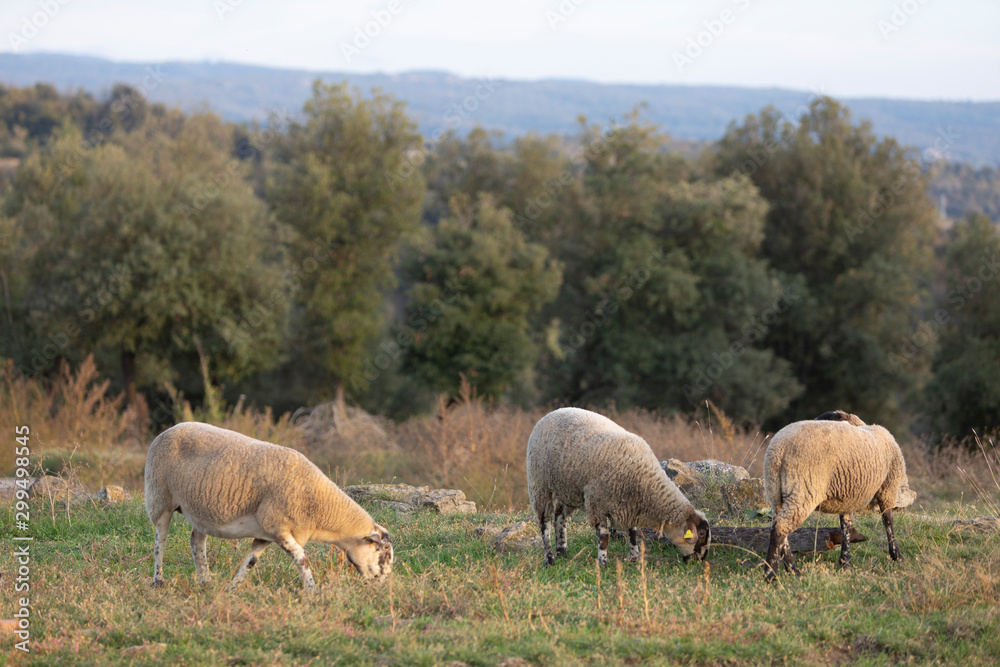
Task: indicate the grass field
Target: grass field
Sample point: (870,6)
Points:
(451,598)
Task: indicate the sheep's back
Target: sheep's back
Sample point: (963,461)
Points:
(835,464)
(571,448)
(218,475)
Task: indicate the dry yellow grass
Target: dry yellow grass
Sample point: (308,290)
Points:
(470,445)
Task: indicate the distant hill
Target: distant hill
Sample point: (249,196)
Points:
(688,113)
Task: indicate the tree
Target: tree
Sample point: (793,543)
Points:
(850,218)
(344,182)
(148,249)
(664,295)
(964,393)
(477,284)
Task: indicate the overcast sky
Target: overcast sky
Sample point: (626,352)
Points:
(915,49)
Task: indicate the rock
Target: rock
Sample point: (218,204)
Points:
(744,495)
(982,524)
(720,471)
(404,508)
(522,536)
(447,501)
(401,493)
(56,488)
(8,487)
(487,530)
(112,495)
(691,482)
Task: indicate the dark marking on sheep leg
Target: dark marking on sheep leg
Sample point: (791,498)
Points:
(298,554)
(633,544)
(561,546)
(545,525)
(846,528)
(256,548)
(894,552)
(603,536)
(788,556)
(771,564)
(201,572)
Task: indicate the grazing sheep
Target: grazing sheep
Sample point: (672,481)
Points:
(835,464)
(905,497)
(578,458)
(231,486)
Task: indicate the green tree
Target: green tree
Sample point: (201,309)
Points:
(477,284)
(148,250)
(664,295)
(850,218)
(340,181)
(964,393)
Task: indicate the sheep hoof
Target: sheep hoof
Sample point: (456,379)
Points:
(550,559)
(158,583)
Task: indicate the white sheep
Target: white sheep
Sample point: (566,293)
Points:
(231,486)
(579,459)
(835,464)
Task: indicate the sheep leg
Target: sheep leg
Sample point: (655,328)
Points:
(545,526)
(779,549)
(201,572)
(890,535)
(162,525)
(633,544)
(846,528)
(562,548)
(603,536)
(256,548)
(298,554)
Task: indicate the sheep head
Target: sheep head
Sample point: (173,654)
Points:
(372,555)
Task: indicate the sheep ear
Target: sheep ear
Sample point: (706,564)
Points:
(691,534)
(375,537)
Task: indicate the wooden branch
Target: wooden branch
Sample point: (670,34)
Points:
(803,540)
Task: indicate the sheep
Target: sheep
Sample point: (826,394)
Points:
(835,464)
(577,458)
(905,497)
(231,486)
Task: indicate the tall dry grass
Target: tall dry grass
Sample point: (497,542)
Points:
(471,445)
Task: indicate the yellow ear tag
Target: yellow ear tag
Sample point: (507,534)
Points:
(688,535)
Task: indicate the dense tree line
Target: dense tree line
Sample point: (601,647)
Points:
(799,265)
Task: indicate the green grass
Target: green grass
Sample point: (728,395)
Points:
(451,598)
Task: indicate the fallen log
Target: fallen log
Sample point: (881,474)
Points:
(803,540)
